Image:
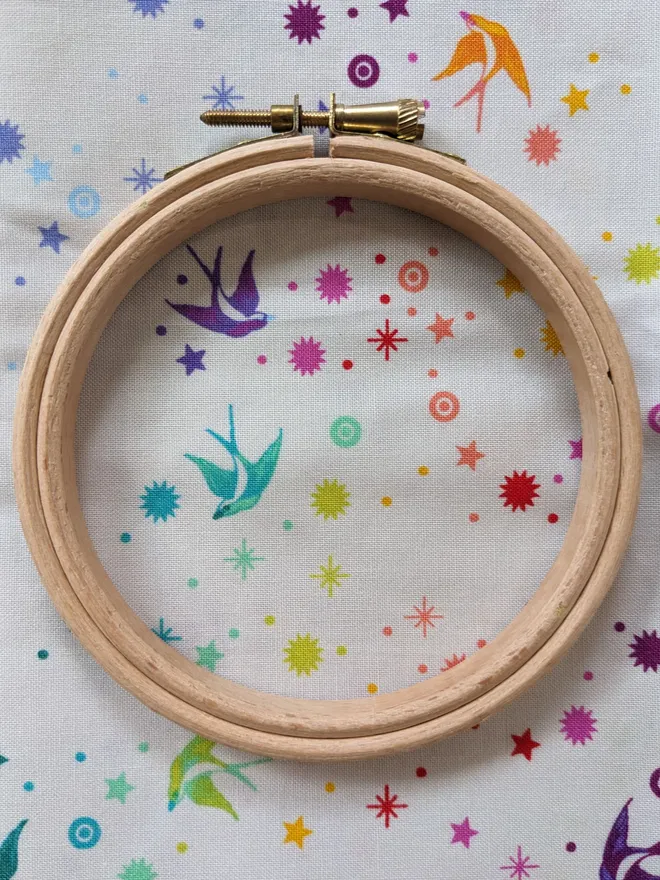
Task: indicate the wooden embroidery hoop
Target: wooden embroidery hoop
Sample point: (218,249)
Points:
(260,173)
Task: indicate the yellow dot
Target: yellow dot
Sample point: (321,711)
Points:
(594,57)
(386,501)
(519,352)
(269,620)
(342,650)
(372,688)
(625,89)
(182,847)
(607,236)
(329,787)
(657,219)
(422,470)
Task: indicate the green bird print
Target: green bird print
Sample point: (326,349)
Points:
(200,788)
(9,852)
(224,482)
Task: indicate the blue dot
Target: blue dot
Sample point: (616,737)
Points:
(182,279)
(125,538)
(198,23)
(19,280)
(12,365)
(84,832)
(80,757)
(143,99)
(113,73)
(77,149)
(28,786)
(42,654)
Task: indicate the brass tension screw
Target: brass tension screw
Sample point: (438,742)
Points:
(402,119)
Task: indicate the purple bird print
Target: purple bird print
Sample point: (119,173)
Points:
(234,315)
(620,861)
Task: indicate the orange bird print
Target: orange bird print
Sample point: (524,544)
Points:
(486,43)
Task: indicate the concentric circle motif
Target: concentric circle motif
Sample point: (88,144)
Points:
(364,71)
(345,431)
(84,832)
(84,202)
(444,406)
(413,276)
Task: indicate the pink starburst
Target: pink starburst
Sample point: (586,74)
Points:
(334,283)
(304,21)
(542,145)
(424,616)
(578,725)
(387,339)
(387,806)
(307,356)
(646,650)
(520,866)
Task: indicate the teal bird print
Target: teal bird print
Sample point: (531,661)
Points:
(9,852)
(224,482)
(200,788)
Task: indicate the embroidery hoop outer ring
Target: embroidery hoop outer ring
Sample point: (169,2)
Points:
(44,460)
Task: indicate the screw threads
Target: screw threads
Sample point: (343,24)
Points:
(237,117)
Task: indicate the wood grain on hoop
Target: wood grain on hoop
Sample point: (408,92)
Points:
(260,174)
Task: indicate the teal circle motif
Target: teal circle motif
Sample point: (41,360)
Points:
(84,832)
(345,431)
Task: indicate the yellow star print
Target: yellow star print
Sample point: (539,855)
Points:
(576,99)
(510,284)
(296,832)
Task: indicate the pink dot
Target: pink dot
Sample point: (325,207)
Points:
(421,772)
(347,365)
(473,517)
(588,676)
(412,311)
(619,626)
(412,57)
(422,669)
(553,518)
(261,359)
(558,478)
(570,846)
(426,103)
(352,12)
(481,643)
(380,259)
(292,285)
(387,630)
(385,298)
(470,316)
(433,374)
(433,251)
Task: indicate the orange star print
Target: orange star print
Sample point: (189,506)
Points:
(487,43)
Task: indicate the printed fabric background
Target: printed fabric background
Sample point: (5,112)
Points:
(329,448)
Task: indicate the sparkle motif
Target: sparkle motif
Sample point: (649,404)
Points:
(243,558)
(149,7)
(454,660)
(296,832)
(333,283)
(519,490)
(441,328)
(395,8)
(578,725)
(144,180)
(303,654)
(208,656)
(576,448)
(330,499)
(387,339)
(39,171)
(223,96)
(646,650)
(642,263)
(470,455)
(341,204)
(424,616)
(118,788)
(550,339)
(138,870)
(542,145)
(576,99)
(52,237)
(330,576)
(462,832)
(11,142)
(520,866)
(307,356)
(524,745)
(304,21)
(192,360)
(159,501)
(165,633)
(387,806)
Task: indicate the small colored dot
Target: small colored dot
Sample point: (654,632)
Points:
(558,478)
(625,89)
(19,280)
(182,847)
(473,517)
(198,23)
(193,583)
(77,149)
(422,470)
(426,103)
(481,643)
(28,786)
(372,688)
(380,259)
(433,251)
(182,279)
(412,57)
(347,365)
(519,352)
(262,359)
(657,219)
(421,772)
(143,747)
(570,846)
(412,311)
(422,669)
(342,650)
(433,374)
(607,236)
(619,626)
(292,285)
(594,57)
(161,330)
(269,620)
(588,676)
(553,518)
(387,630)
(42,654)
(143,99)
(287,525)
(352,12)
(113,73)
(385,298)
(80,757)
(386,501)
(329,787)
(470,316)
(234,633)
(125,538)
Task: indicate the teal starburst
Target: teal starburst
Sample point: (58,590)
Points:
(138,870)
(159,501)
(243,558)
(165,633)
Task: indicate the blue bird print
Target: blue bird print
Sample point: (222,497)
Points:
(223,482)
(9,852)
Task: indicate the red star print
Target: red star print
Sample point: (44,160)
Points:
(441,328)
(524,744)
(387,806)
(387,339)
(341,204)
